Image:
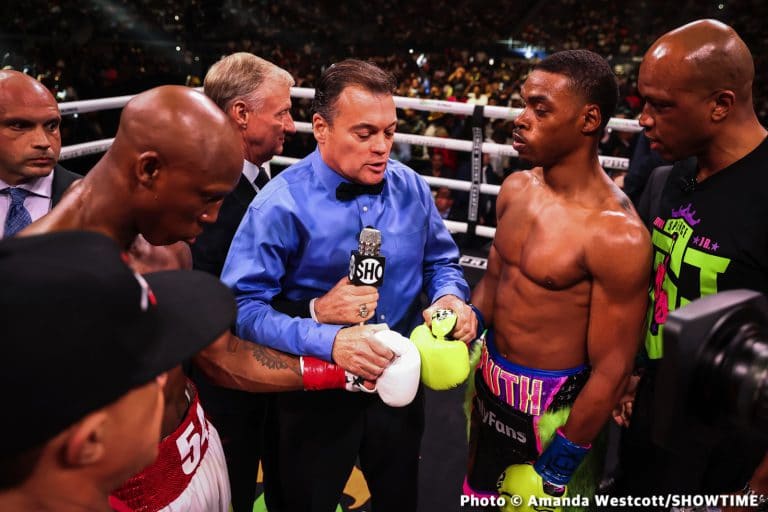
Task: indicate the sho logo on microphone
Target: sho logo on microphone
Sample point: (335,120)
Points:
(366,270)
(369,271)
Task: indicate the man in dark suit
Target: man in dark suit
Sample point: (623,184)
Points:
(255,94)
(62,179)
(31,182)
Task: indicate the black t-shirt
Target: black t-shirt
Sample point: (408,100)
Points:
(707,237)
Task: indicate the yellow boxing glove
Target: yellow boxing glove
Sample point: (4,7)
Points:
(444,363)
(519,483)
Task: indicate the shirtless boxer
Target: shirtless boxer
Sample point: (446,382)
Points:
(565,290)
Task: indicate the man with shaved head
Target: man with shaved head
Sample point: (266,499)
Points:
(708,215)
(164,178)
(30,180)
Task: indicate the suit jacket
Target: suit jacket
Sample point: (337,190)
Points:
(62,179)
(211,247)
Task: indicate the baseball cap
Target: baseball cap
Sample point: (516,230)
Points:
(79,329)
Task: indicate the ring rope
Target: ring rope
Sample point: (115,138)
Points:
(449,107)
(84,149)
(490,111)
(99,146)
(84,106)
(461,227)
(461,185)
(608,162)
(466,109)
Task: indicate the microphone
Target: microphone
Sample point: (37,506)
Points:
(366,264)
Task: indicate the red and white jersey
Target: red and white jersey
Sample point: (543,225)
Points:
(189,474)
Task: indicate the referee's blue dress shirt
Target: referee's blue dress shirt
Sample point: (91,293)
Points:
(295,242)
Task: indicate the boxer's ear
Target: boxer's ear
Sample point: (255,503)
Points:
(592,119)
(147,168)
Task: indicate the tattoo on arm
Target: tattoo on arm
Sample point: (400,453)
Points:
(274,360)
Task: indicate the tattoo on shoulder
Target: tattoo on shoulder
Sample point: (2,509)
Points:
(274,360)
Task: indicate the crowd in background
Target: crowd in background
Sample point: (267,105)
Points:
(466,51)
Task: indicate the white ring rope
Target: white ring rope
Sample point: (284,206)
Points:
(99,146)
(450,107)
(85,106)
(452,225)
(609,162)
(284,160)
(462,185)
(461,227)
(467,109)
(86,148)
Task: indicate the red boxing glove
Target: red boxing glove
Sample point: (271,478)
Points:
(318,374)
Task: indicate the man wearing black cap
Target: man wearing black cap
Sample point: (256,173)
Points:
(86,344)
(164,178)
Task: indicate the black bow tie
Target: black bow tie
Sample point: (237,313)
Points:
(348,191)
